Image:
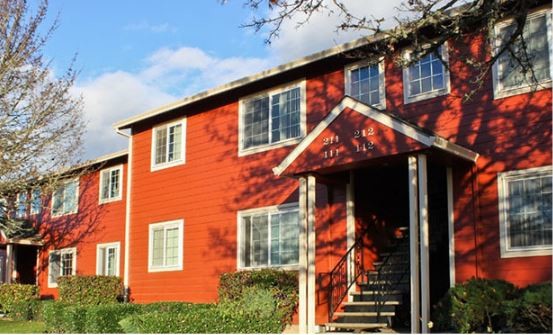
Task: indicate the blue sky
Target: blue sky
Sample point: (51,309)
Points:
(138,55)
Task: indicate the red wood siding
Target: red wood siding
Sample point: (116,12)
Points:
(93,224)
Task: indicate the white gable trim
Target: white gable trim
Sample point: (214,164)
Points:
(380,117)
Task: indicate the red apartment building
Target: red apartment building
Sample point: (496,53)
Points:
(345,170)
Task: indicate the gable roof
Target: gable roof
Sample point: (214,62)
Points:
(424,136)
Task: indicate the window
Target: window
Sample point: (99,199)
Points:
(168,144)
(509,78)
(525,212)
(65,198)
(165,247)
(365,82)
(272,119)
(269,237)
(61,262)
(110,184)
(107,259)
(3,207)
(427,77)
(21,205)
(36,201)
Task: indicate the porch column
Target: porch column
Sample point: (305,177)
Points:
(311,278)
(9,263)
(350,228)
(414,244)
(307,278)
(302,275)
(424,257)
(451,226)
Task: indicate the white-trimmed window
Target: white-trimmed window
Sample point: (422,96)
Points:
(168,144)
(509,78)
(365,82)
(21,205)
(268,237)
(107,259)
(166,246)
(525,212)
(110,184)
(61,262)
(36,201)
(66,198)
(272,119)
(426,78)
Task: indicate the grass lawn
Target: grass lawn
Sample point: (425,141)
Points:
(21,327)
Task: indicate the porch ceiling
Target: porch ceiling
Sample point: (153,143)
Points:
(354,132)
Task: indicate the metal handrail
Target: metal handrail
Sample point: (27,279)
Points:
(339,284)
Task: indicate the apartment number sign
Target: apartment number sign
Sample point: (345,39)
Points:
(364,143)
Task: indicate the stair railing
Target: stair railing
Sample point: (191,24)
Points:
(340,282)
(385,280)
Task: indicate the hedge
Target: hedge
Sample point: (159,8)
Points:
(90,290)
(489,305)
(19,301)
(104,319)
(236,286)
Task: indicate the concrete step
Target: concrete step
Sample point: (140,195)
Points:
(343,314)
(356,326)
(371,303)
(395,295)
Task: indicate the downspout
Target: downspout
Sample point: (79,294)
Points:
(127,216)
(475,217)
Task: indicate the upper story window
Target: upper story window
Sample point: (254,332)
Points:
(168,144)
(65,198)
(107,259)
(365,82)
(110,184)
(272,119)
(166,246)
(36,201)
(525,212)
(61,262)
(426,78)
(509,77)
(269,237)
(21,205)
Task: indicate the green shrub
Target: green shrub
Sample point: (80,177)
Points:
(531,313)
(478,305)
(11,294)
(283,285)
(90,290)
(105,318)
(26,310)
(52,314)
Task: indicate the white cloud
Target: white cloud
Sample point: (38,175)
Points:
(320,31)
(168,74)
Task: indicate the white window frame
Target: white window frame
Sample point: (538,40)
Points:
(502,189)
(16,209)
(31,209)
(109,170)
(407,97)
(268,93)
(99,262)
(240,252)
(64,189)
(182,160)
(166,225)
(381,79)
(499,91)
(72,251)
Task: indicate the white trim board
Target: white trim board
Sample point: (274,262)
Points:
(404,128)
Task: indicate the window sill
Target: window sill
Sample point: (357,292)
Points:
(267,147)
(165,269)
(107,201)
(158,167)
(63,214)
(280,267)
(504,93)
(50,285)
(526,253)
(425,96)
